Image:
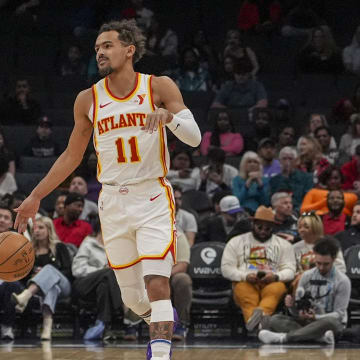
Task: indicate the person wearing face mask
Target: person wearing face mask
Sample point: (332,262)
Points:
(259,264)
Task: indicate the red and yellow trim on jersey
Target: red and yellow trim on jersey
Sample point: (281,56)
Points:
(128,96)
(95,115)
(170,247)
(162,135)
(151,98)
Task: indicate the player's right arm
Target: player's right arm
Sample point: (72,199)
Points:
(67,162)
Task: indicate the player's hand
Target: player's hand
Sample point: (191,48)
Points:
(156,119)
(25,211)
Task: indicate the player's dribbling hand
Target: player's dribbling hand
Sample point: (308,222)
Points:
(25,211)
(157,119)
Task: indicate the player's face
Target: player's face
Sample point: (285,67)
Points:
(111,53)
(5,220)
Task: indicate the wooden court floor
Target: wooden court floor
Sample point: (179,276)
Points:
(47,351)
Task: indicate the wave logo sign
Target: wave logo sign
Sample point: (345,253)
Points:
(208,255)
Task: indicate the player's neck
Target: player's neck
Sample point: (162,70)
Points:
(123,82)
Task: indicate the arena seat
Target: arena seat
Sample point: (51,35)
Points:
(30,164)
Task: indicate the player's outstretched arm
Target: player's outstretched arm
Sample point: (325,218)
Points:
(175,114)
(67,162)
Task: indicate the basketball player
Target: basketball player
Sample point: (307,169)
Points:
(127,113)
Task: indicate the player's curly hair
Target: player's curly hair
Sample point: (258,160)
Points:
(129,33)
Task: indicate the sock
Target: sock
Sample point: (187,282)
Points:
(160,347)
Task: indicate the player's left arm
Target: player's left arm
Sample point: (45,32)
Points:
(173,113)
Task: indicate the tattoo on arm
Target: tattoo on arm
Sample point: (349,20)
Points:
(161,330)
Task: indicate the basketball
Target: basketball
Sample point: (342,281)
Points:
(16,256)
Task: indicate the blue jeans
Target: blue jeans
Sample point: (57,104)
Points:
(53,284)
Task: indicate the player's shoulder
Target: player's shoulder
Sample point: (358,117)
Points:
(161,81)
(84,100)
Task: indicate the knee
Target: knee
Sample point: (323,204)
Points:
(135,298)
(157,287)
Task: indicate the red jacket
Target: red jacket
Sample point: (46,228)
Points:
(351,174)
(248,16)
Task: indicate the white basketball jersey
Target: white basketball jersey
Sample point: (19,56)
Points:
(126,154)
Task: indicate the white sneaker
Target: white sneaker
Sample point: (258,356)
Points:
(328,338)
(7,332)
(271,337)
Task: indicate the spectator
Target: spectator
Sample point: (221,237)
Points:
(259,264)
(286,137)
(43,143)
(351,54)
(217,175)
(330,153)
(285,219)
(183,172)
(21,108)
(224,136)
(181,287)
(51,274)
(191,76)
(219,226)
(78,185)
(6,218)
(185,220)
(242,92)
(69,228)
(7,180)
(351,236)
(59,207)
(283,113)
(320,54)
(310,229)
(205,50)
(351,172)
(9,154)
(73,64)
(290,179)
(249,16)
(267,153)
(235,48)
(227,71)
(330,290)
(250,186)
(335,220)
(138,11)
(316,199)
(351,140)
(95,282)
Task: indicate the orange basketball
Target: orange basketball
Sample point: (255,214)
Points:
(16,256)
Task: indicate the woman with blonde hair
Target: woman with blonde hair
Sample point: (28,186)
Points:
(51,275)
(250,186)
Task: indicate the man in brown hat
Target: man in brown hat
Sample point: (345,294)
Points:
(259,263)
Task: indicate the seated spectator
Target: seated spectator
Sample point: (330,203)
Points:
(243,91)
(335,220)
(73,64)
(330,153)
(43,143)
(51,275)
(249,16)
(182,170)
(226,73)
(138,11)
(20,108)
(351,173)
(224,136)
(95,282)
(181,287)
(316,199)
(300,20)
(68,227)
(285,220)
(6,218)
(250,186)
(351,140)
(284,113)
(8,153)
(259,264)
(217,175)
(235,48)
(7,180)
(291,179)
(310,229)
(351,236)
(190,76)
(205,50)
(267,153)
(78,185)
(351,54)
(185,220)
(220,226)
(330,290)
(286,137)
(59,207)
(320,54)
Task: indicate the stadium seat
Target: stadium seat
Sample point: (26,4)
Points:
(30,164)
(198,201)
